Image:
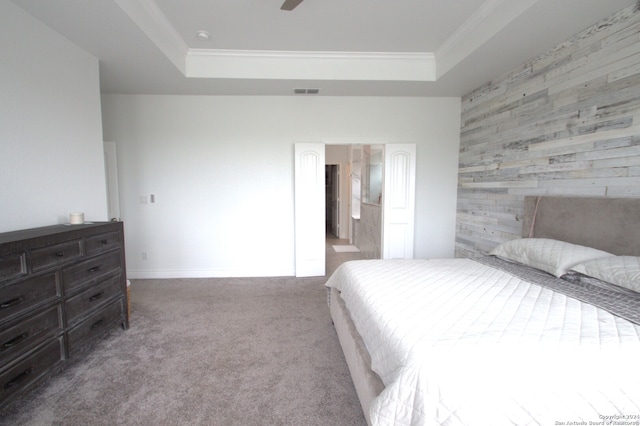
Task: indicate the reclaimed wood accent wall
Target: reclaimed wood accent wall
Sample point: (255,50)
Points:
(564,123)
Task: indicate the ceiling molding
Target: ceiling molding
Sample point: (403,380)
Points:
(265,64)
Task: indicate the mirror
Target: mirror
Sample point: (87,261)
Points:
(372,177)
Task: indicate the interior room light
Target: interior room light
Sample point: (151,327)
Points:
(202,35)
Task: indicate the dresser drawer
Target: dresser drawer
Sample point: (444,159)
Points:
(100,243)
(22,295)
(19,336)
(32,368)
(12,266)
(100,266)
(54,255)
(94,326)
(92,298)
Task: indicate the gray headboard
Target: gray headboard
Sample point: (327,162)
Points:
(609,224)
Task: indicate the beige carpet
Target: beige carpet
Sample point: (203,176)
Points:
(239,351)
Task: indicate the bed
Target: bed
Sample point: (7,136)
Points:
(544,330)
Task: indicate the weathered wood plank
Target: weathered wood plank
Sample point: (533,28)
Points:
(564,123)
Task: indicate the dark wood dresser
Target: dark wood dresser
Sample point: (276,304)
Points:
(61,287)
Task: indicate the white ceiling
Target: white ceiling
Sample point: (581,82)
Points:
(342,47)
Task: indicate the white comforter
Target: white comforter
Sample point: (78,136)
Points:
(457,342)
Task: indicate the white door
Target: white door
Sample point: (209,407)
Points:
(309,209)
(111,172)
(398,201)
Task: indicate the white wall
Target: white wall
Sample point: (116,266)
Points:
(222,171)
(51,156)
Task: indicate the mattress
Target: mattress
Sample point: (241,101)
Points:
(461,342)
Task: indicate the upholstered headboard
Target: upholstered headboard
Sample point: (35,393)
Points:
(609,224)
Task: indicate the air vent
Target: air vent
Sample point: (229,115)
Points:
(302,91)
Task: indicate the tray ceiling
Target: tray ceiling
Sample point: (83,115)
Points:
(342,47)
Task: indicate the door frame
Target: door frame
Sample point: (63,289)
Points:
(111,179)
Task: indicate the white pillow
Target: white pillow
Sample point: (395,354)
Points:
(619,270)
(553,256)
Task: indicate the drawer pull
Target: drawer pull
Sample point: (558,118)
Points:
(97,323)
(16,380)
(105,241)
(60,253)
(96,296)
(94,269)
(12,302)
(13,342)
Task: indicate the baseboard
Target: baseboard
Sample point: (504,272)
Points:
(139,274)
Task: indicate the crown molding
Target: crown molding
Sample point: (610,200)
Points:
(309,54)
(305,65)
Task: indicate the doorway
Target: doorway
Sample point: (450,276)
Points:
(398,194)
(332,199)
(111,179)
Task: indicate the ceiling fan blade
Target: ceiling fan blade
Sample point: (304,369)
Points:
(290,4)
